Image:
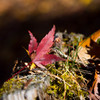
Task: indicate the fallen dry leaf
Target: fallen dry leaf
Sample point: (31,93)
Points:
(95,88)
(89,48)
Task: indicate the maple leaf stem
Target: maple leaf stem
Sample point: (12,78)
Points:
(19,71)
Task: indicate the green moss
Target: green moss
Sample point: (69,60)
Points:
(70,83)
(70,86)
(10,86)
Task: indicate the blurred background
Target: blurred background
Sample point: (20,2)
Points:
(38,16)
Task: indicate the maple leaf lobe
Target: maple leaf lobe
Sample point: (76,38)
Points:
(45,45)
(50,58)
(33,43)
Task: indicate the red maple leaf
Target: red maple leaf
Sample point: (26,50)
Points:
(41,51)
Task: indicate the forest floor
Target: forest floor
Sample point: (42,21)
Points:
(75,76)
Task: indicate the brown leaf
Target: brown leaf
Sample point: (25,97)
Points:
(89,48)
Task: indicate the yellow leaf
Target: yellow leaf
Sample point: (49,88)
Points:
(32,66)
(93,37)
(26,51)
